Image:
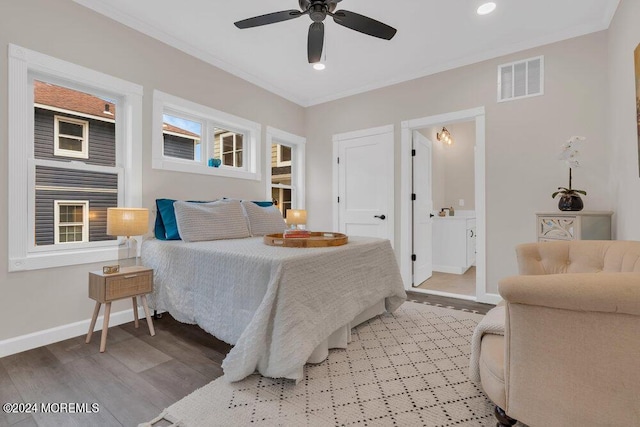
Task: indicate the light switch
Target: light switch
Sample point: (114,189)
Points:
(461,202)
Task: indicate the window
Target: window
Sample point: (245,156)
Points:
(286,163)
(231,144)
(215,135)
(181,138)
(521,79)
(57,207)
(71,221)
(283,155)
(71,137)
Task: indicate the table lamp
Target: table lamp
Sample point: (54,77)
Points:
(296,218)
(127,222)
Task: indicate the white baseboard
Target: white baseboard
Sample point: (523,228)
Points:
(60,333)
(490,298)
(449,269)
(444,294)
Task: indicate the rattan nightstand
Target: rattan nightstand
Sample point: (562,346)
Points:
(130,282)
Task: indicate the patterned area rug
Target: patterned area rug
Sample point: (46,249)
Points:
(407,369)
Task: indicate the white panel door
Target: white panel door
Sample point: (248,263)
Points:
(422,209)
(365,184)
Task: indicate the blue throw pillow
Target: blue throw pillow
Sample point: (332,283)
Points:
(166,226)
(263,204)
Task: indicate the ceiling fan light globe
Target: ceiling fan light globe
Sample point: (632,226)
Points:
(486,8)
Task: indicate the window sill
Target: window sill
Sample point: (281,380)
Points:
(201,169)
(37,261)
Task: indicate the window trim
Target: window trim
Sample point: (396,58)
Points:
(57,224)
(297,144)
(24,66)
(57,151)
(164,103)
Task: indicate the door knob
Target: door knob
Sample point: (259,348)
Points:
(431,215)
(380,216)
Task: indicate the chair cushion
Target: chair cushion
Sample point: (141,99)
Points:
(492,368)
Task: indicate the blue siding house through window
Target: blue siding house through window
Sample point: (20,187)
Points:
(58,183)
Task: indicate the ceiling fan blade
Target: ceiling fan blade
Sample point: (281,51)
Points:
(363,24)
(315,42)
(269,18)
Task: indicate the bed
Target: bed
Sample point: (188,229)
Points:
(280,307)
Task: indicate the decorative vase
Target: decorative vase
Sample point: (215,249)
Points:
(570,202)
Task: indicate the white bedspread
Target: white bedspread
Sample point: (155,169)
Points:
(275,304)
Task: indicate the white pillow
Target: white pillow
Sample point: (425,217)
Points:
(210,221)
(263,219)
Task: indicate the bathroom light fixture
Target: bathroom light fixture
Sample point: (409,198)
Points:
(444,136)
(319,66)
(486,8)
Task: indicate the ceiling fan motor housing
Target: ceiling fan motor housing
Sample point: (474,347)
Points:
(318,8)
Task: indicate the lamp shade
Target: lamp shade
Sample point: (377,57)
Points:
(296,216)
(127,221)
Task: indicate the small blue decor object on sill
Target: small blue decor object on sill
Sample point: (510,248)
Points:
(215,163)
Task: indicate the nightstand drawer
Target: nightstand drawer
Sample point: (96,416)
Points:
(131,281)
(128,285)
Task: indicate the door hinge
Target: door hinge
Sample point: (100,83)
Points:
(413,153)
(338,199)
(413,196)
(338,160)
(413,257)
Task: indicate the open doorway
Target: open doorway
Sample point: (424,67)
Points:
(407,260)
(447,231)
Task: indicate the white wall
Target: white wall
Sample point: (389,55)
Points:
(624,36)
(37,300)
(522,138)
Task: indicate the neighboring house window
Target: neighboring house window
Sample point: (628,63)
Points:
(231,148)
(216,135)
(286,163)
(283,155)
(71,138)
(58,207)
(71,221)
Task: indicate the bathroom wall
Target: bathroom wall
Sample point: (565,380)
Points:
(453,167)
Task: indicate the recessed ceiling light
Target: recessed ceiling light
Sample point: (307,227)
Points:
(318,66)
(486,8)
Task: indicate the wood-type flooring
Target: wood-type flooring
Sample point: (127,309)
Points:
(133,381)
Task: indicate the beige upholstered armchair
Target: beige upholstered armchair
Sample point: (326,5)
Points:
(570,354)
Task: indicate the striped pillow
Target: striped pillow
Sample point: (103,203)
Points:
(210,221)
(263,219)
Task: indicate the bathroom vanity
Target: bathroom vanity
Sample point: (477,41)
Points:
(454,243)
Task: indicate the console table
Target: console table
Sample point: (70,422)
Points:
(571,225)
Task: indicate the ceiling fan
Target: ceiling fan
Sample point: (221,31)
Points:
(318,11)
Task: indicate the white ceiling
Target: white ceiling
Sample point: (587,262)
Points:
(433,36)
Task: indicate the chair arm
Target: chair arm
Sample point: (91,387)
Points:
(599,292)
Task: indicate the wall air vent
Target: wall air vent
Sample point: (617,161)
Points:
(521,79)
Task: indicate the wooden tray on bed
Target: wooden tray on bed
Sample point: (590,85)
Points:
(318,239)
